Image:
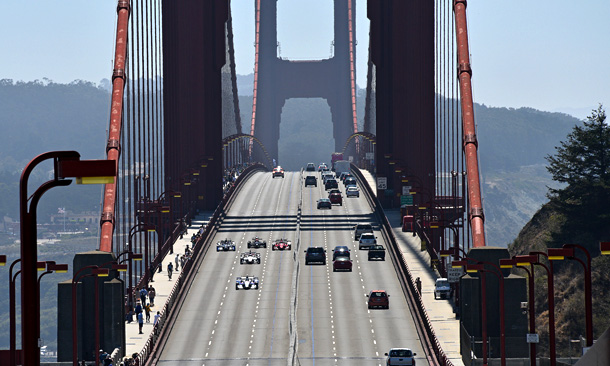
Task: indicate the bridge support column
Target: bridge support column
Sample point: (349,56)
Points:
(112,310)
(470,306)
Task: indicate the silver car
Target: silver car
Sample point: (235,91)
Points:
(367,240)
(352,191)
(400,356)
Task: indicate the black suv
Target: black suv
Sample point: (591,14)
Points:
(315,255)
(331,183)
(311,180)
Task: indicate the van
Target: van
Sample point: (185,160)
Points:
(407,223)
(361,228)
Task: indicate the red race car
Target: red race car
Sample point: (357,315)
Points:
(281,244)
(342,264)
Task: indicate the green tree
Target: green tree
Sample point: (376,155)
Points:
(582,164)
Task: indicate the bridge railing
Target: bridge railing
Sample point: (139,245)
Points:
(158,337)
(434,353)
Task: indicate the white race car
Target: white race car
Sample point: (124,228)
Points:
(225,245)
(246,282)
(250,258)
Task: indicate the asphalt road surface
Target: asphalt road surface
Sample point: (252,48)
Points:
(219,325)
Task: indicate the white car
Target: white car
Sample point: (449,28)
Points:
(442,289)
(246,282)
(367,240)
(400,357)
(352,191)
(250,258)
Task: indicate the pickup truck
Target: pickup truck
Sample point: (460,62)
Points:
(377,252)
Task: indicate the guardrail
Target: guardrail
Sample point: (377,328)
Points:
(156,342)
(434,353)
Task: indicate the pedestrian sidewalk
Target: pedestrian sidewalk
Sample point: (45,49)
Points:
(440,312)
(134,341)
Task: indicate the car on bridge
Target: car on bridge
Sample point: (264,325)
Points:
(324,202)
(442,289)
(323,167)
(362,228)
(367,240)
(400,357)
(342,264)
(378,299)
(225,245)
(310,180)
(352,191)
(376,251)
(331,183)
(315,255)
(281,244)
(246,282)
(257,242)
(341,251)
(278,172)
(310,167)
(349,181)
(336,198)
(250,258)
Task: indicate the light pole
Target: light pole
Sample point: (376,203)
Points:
(567,251)
(13,316)
(551,299)
(527,266)
(66,164)
(95,272)
(49,267)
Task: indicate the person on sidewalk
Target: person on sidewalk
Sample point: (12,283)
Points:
(151,295)
(147,310)
(143,294)
(141,322)
(138,308)
(157,316)
(170,269)
(418,285)
(177,261)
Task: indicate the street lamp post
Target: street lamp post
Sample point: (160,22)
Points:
(13,313)
(551,299)
(96,272)
(66,164)
(567,251)
(531,304)
(50,267)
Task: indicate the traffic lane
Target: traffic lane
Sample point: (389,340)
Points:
(239,334)
(207,289)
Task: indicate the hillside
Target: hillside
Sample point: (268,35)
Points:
(542,232)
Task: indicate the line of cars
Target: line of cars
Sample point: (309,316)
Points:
(250,282)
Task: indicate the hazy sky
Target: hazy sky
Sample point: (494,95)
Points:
(547,54)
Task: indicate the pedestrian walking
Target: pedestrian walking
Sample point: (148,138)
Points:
(147,311)
(151,295)
(170,269)
(138,308)
(141,322)
(182,261)
(418,285)
(129,315)
(177,261)
(102,356)
(157,316)
(143,295)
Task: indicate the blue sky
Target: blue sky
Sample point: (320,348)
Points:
(547,54)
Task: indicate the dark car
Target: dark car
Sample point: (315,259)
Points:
(340,251)
(378,299)
(315,255)
(349,181)
(310,180)
(331,183)
(324,203)
(342,264)
(310,167)
(336,198)
(345,176)
(376,252)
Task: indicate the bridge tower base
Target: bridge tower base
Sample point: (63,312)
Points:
(111,307)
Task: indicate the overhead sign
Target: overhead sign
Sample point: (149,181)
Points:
(369,156)
(532,338)
(454,274)
(406,190)
(382,183)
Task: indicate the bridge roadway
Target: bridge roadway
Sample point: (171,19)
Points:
(218,325)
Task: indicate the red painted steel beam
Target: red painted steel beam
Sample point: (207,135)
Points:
(470,145)
(113,150)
